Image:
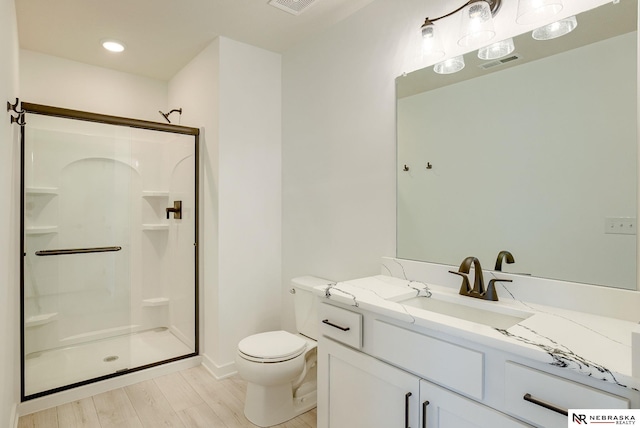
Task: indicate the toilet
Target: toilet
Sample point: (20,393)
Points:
(280,367)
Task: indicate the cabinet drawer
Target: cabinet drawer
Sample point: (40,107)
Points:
(450,365)
(341,325)
(562,393)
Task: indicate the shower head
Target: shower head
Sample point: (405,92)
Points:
(166,115)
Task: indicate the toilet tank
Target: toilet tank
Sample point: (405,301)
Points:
(306,304)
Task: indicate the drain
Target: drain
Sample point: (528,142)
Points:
(110,358)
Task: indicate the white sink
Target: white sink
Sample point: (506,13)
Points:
(469,309)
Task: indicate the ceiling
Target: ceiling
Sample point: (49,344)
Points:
(162,36)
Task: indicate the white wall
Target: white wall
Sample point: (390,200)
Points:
(58,82)
(249,193)
(9,221)
(234,91)
(338,149)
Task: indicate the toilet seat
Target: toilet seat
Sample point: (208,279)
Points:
(271,347)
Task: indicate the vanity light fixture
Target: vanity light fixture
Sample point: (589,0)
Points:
(497,50)
(555,29)
(476,28)
(113,45)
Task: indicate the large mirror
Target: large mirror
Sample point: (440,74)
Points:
(534,154)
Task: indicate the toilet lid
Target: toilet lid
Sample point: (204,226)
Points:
(272,345)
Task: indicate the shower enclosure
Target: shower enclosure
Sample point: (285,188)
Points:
(109,247)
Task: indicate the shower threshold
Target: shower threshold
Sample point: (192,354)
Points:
(56,368)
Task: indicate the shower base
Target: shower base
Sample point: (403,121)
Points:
(60,367)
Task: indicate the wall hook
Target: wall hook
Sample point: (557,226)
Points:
(429,166)
(406,168)
(14,107)
(18,119)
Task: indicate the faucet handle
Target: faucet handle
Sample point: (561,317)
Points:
(491,289)
(465,288)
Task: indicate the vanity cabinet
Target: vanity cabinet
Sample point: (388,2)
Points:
(364,392)
(375,372)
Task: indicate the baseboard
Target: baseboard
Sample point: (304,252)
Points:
(53,400)
(218,371)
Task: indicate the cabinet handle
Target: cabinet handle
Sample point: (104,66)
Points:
(336,326)
(545,404)
(406,409)
(424,414)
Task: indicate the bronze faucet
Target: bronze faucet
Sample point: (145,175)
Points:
(506,256)
(478,291)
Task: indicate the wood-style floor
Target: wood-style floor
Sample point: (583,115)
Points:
(187,399)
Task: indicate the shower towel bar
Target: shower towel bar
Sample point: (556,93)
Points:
(77,251)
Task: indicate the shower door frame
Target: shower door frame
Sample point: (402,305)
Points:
(64,113)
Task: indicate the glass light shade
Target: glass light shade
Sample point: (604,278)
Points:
(497,50)
(532,11)
(451,65)
(476,26)
(555,29)
(431,43)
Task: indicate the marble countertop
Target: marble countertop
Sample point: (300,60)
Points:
(589,344)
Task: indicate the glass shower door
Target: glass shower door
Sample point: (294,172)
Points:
(109,251)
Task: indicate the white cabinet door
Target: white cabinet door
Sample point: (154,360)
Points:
(362,392)
(446,409)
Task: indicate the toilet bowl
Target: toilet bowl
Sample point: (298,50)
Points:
(279,366)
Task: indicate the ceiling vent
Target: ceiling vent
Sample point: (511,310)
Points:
(294,7)
(499,62)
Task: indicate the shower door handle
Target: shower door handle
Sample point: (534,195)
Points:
(176,210)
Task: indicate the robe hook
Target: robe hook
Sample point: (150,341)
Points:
(14,107)
(18,119)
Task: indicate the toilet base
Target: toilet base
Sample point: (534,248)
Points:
(273,405)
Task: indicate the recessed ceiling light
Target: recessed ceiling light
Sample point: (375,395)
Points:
(112,45)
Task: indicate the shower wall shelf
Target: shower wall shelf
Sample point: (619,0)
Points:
(155,194)
(40,230)
(158,226)
(156,301)
(41,319)
(41,191)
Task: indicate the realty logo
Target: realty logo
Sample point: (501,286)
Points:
(581,417)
